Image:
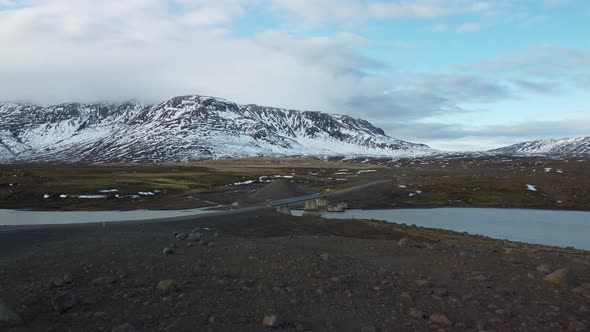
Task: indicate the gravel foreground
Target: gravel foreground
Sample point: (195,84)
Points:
(262,271)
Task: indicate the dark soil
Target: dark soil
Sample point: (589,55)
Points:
(317,275)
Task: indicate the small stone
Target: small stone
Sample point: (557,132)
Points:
(405,295)
(211,244)
(416,313)
(273,321)
(124,328)
(583,290)
(8,318)
(168,251)
(65,301)
(181,236)
(561,277)
(420,282)
(369,328)
(68,279)
(216,234)
(194,237)
(303,327)
(502,312)
(168,286)
(59,282)
(576,326)
(545,268)
(440,291)
(99,314)
(105,280)
(196,230)
(325,256)
(440,319)
(189,245)
(341,279)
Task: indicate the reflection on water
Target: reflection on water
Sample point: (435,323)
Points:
(23,217)
(557,228)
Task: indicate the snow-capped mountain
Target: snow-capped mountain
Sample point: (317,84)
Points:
(563,146)
(184,128)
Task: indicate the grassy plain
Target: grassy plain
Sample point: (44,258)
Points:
(485,181)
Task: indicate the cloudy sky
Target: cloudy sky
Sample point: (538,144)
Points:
(455,74)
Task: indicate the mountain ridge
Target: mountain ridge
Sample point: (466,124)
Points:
(184,128)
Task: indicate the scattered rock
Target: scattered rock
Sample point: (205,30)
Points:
(273,321)
(416,313)
(168,251)
(407,242)
(105,280)
(181,236)
(325,256)
(440,319)
(196,230)
(65,301)
(168,286)
(211,244)
(8,318)
(216,234)
(545,268)
(124,328)
(561,277)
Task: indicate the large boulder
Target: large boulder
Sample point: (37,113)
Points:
(562,277)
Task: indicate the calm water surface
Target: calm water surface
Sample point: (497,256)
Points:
(556,228)
(24,217)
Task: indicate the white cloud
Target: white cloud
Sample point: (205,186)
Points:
(344,11)
(85,50)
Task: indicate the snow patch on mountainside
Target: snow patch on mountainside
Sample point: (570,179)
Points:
(563,146)
(185,128)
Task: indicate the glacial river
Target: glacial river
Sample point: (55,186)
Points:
(555,228)
(25,217)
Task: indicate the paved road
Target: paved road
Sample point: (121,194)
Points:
(260,206)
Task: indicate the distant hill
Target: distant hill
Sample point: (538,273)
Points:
(563,146)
